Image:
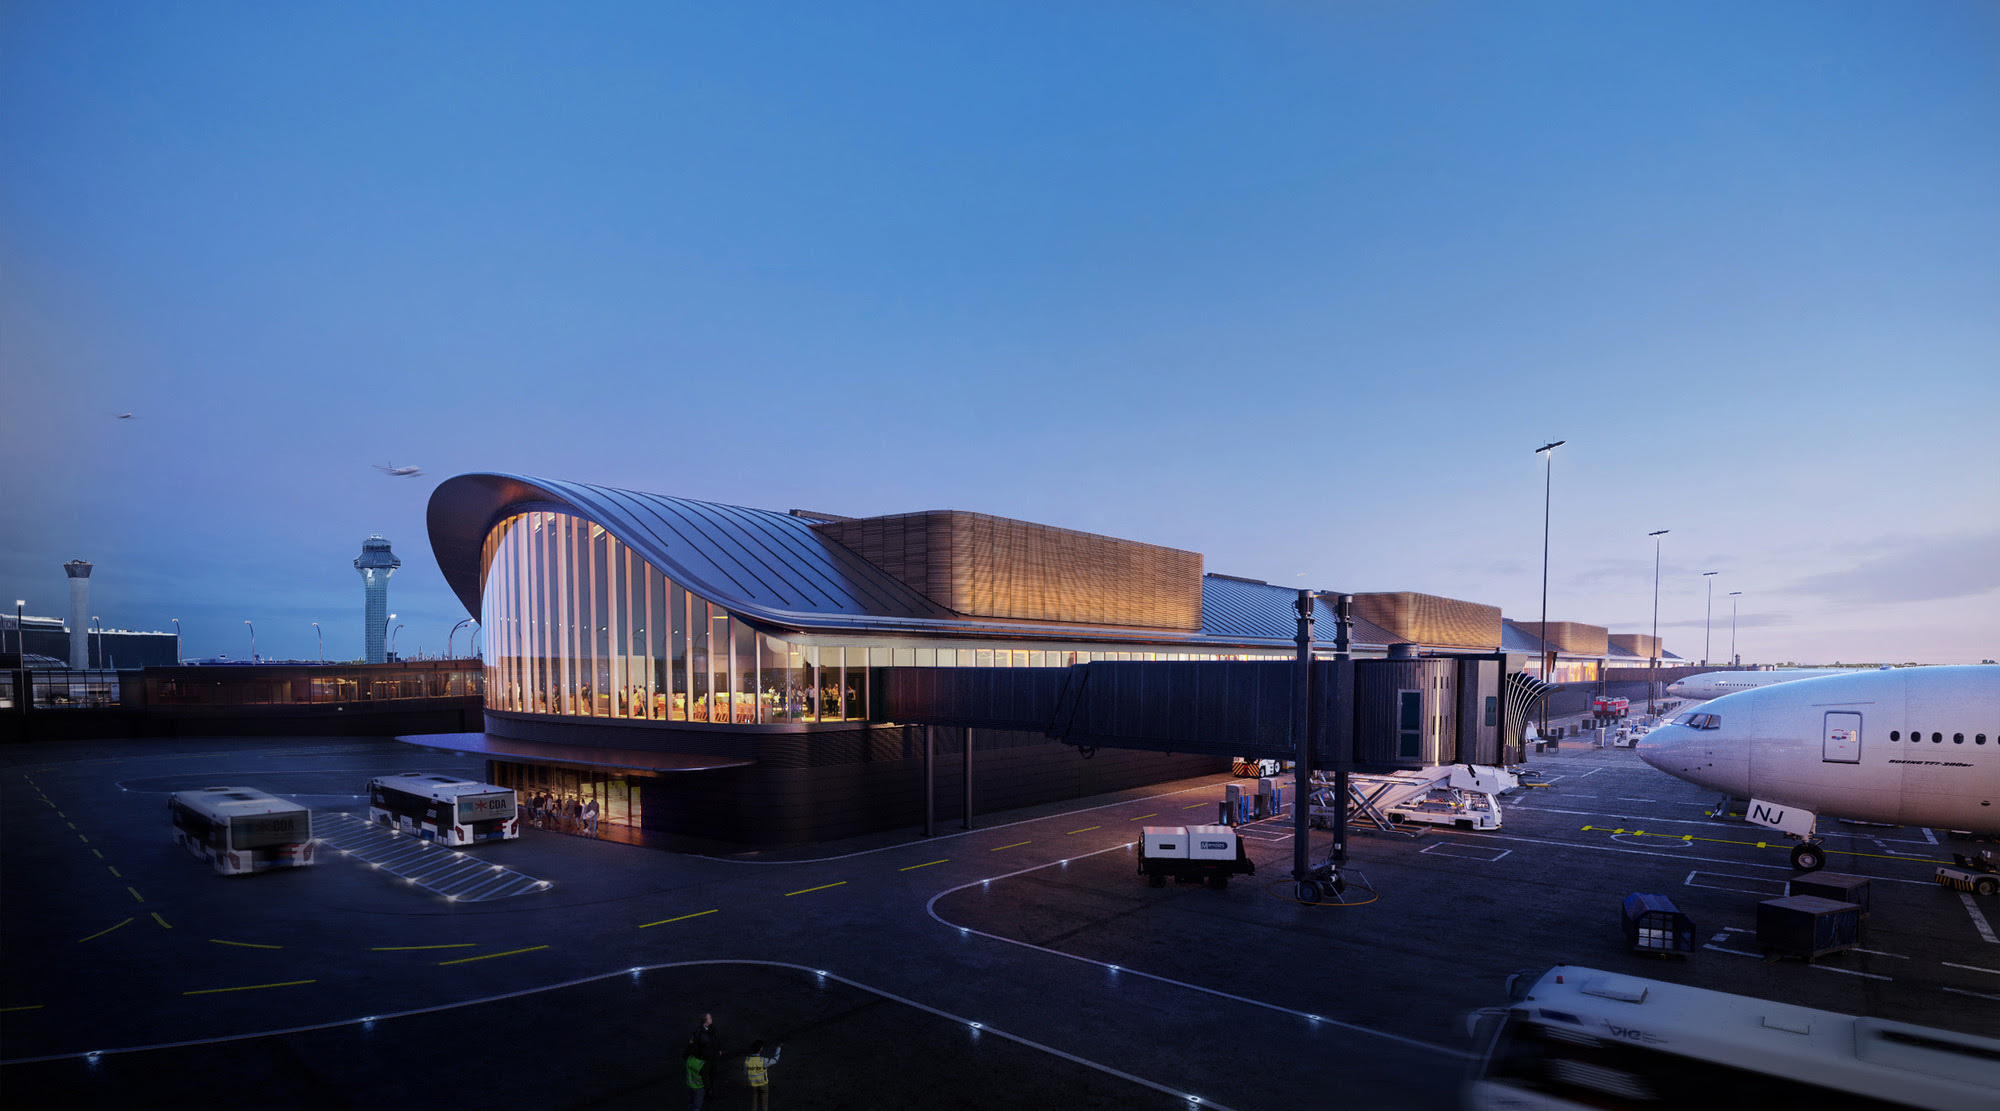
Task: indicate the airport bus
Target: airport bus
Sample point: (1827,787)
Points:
(443,808)
(242,829)
(1581,1038)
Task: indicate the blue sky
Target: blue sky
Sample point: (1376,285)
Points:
(1298,286)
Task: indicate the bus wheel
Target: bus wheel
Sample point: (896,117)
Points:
(1808,858)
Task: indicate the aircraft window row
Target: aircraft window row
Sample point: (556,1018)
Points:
(1700,721)
(1917,735)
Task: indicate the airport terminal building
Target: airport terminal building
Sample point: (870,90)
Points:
(704,669)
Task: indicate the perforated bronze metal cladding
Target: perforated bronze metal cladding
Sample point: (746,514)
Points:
(1639,644)
(986,566)
(1571,636)
(1431,620)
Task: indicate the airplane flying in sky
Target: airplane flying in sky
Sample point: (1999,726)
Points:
(1714,684)
(1909,746)
(125,416)
(399,472)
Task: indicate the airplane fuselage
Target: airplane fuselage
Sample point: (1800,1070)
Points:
(1916,746)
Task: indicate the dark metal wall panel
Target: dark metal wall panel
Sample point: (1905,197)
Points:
(1478,743)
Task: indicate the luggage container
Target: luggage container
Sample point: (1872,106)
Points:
(1807,926)
(1833,885)
(1192,854)
(1654,925)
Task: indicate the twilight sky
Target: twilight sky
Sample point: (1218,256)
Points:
(1298,286)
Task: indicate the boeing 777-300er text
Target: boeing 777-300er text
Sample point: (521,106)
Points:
(1912,746)
(1715,684)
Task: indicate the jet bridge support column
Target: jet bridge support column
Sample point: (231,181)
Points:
(1302,736)
(1343,643)
(930,780)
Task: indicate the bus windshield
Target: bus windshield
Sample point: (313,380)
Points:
(264,830)
(485,808)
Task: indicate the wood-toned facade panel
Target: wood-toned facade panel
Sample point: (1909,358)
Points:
(986,566)
(1573,637)
(1431,620)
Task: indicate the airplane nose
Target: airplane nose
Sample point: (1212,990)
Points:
(1666,747)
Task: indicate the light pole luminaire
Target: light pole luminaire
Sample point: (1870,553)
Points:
(1548,453)
(253,641)
(1653,669)
(321,638)
(1709,617)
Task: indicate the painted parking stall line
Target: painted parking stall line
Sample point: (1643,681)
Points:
(458,876)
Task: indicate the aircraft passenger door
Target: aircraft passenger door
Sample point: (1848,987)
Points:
(1843,738)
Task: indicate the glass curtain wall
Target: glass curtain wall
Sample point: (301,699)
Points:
(577,623)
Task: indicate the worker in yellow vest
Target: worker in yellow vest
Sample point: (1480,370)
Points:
(757,1068)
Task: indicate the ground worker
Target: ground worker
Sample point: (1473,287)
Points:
(757,1068)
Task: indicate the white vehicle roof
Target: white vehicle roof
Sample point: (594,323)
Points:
(432,786)
(1894,1061)
(223,803)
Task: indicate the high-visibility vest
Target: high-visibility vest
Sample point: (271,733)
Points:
(759,1070)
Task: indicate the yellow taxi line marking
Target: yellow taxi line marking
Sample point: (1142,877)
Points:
(60,814)
(490,956)
(1143,817)
(100,856)
(1196,806)
(71,825)
(400,948)
(102,932)
(114,871)
(925,864)
(22,1007)
(161,921)
(1015,845)
(809,890)
(83,839)
(1085,829)
(1755,844)
(251,987)
(242,944)
(682,918)
(135,893)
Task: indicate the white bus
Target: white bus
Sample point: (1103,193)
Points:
(242,829)
(1580,1038)
(443,808)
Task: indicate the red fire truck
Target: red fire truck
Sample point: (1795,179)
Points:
(1604,706)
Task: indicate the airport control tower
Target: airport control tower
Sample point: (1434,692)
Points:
(79,612)
(376,563)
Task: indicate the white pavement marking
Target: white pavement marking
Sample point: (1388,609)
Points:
(1976,994)
(1971,967)
(1690,881)
(1191,1099)
(1738,952)
(1440,847)
(441,870)
(1622,814)
(1879,953)
(1978,919)
(1845,971)
(1125,970)
(1927,835)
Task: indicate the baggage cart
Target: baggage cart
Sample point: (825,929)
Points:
(1833,885)
(1807,927)
(1653,925)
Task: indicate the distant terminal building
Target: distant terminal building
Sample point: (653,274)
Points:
(46,642)
(1584,653)
(376,563)
(706,669)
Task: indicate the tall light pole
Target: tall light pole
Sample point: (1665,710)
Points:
(99,622)
(392,638)
(449,636)
(20,643)
(321,637)
(1709,617)
(253,641)
(177,641)
(1734,660)
(1548,453)
(1653,669)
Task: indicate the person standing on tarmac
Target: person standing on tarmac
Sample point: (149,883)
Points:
(692,1064)
(707,1045)
(757,1069)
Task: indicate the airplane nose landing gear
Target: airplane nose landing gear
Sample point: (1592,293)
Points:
(1809,857)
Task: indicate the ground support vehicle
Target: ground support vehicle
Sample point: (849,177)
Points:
(1243,767)
(443,808)
(1192,854)
(1606,707)
(1978,874)
(241,829)
(1462,795)
(1577,1037)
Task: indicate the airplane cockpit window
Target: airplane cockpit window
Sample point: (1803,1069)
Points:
(1686,719)
(1700,721)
